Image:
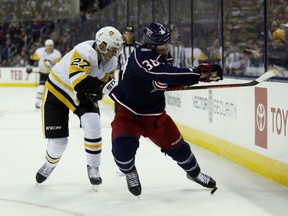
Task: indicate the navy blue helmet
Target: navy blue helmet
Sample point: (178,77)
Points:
(156,34)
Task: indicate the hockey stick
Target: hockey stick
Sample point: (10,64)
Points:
(263,77)
(27,76)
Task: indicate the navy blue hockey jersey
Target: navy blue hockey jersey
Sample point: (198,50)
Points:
(146,75)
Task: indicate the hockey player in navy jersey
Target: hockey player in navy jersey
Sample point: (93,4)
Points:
(141,107)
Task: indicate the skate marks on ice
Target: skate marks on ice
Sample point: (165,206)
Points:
(33,208)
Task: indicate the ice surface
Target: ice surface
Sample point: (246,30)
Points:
(165,189)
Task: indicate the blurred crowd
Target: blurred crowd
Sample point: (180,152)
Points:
(33,9)
(29,23)
(243,31)
(244,35)
(19,39)
(89,7)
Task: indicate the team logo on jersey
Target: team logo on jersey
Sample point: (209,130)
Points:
(158,86)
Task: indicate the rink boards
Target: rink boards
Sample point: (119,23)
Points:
(246,125)
(13,77)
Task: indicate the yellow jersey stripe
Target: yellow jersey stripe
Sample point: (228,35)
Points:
(60,97)
(79,79)
(35,57)
(57,60)
(60,81)
(42,110)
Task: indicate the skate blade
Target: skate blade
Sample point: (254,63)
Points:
(213,190)
(95,188)
(120,174)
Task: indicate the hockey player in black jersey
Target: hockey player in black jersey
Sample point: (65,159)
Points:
(141,107)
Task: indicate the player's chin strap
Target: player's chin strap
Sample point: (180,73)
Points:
(102,52)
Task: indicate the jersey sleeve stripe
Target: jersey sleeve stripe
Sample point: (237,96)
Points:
(58,59)
(35,56)
(164,72)
(63,87)
(74,73)
(61,82)
(78,78)
(57,94)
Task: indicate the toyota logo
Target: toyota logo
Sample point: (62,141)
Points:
(261,117)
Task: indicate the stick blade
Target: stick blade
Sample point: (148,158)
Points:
(266,76)
(278,70)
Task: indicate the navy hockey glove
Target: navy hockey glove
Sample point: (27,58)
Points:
(209,73)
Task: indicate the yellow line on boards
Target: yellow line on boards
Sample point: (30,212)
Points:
(18,84)
(263,165)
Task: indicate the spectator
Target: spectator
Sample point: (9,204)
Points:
(277,53)
(236,61)
(215,52)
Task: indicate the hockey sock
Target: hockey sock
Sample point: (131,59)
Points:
(124,151)
(90,123)
(39,93)
(185,159)
(55,149)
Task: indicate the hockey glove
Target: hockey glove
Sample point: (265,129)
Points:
(85,97)
(108,87)
(209,73)
(29,69)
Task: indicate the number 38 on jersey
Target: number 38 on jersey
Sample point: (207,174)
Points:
(150,64)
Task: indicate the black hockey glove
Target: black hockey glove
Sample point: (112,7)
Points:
(85,97)
(209,73)
(29,69)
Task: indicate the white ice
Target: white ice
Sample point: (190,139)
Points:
(165,189)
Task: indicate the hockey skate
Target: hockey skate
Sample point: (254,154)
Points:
(204,180)
(43,173)
(133,183)
(94,176)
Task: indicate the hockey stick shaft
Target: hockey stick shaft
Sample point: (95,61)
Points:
(260,79)
(27,76)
